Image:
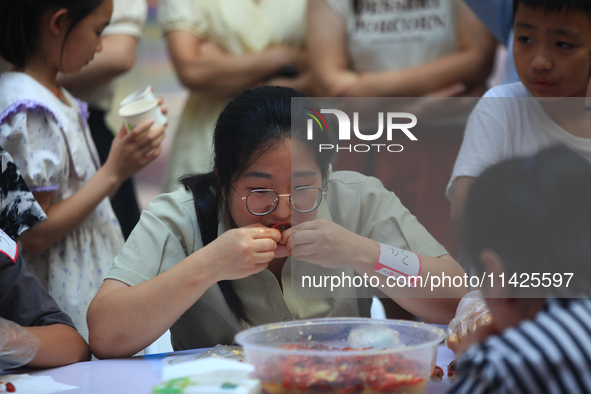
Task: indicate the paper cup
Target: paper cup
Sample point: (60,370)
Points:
(135,113)
(143,95)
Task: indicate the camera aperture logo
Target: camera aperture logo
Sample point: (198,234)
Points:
(392,124)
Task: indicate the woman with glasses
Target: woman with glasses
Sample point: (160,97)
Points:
(218,254)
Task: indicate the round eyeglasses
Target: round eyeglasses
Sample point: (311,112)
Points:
(303,199)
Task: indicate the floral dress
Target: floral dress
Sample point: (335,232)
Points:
(51,144)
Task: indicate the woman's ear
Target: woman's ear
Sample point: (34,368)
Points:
(224,192)
(59,22)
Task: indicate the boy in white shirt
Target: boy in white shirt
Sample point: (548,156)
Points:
(552,48)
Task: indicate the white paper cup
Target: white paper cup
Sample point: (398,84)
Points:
(135,113)
(142,95)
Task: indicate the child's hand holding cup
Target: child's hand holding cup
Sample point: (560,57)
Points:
(140,106)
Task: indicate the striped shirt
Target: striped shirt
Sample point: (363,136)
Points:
(549,354)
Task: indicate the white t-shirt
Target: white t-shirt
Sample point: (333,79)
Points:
(397,35)
(508,122)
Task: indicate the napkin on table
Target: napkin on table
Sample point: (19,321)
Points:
(25,383)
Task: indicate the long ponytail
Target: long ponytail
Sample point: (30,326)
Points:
(207,195)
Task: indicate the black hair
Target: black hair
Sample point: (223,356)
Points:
(250,124)
(535,213)
(20,21)
(551,6)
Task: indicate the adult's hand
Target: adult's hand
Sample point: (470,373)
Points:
(329,245)
(244,251)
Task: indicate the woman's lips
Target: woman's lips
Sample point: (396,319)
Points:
(281,226)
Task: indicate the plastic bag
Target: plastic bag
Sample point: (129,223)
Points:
(218,351)
(17,345)
(472,313)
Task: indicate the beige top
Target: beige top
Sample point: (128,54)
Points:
(239,27)
(168,232)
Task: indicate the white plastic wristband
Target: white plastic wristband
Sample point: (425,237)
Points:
(393,261)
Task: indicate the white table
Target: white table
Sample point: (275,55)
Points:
(140,374)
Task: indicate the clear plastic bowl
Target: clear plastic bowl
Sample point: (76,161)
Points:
(315,356)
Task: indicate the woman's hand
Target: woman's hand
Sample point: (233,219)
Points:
(242,252)
(329,245)
(289,56)
(133,150)
(204,66)
(301,82)
(340,84)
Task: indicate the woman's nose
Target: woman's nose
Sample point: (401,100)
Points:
(283,209)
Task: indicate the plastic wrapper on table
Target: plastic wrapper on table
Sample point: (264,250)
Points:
(17,345)
(218,351)
(208,375)
(472,313)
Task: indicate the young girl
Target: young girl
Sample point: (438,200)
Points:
(218,254)
(45,130)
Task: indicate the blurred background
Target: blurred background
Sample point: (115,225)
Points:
(153,67)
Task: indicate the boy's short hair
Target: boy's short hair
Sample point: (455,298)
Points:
(551,6)
(535,213)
